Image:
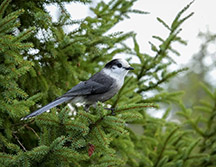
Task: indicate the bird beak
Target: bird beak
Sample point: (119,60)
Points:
(129,68)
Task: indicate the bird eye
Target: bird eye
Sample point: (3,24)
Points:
(119,65)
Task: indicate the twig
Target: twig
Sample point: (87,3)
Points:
(19,141)
(32,130)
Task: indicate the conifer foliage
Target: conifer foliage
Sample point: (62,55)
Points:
(13,99)
(40,61)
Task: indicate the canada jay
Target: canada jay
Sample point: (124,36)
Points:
(100,87)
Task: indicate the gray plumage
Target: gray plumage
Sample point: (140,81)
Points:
(100,87)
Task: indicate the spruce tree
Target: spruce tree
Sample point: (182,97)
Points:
(36,69)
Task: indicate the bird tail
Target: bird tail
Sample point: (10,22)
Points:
(47,107)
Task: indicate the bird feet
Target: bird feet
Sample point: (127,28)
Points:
(86,108)
(112,110)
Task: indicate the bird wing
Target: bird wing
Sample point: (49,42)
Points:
(88,87)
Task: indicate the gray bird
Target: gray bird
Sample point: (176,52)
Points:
(100,87)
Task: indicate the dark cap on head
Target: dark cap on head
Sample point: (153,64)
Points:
(112,63)
(120,63)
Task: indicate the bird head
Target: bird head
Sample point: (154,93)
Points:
(118,67)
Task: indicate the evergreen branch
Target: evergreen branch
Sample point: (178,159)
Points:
(138,11)
(116,130)
(96,124)
(161,53)
(196,128)
(164,79)
(63,157)
(197,156)
(164,146)
(85,115)
(166,113)
(94,134)
(115,121)
(158,38)
(162,22)
(3,7)
(208,91)
(5,142)
(175,23)
(4,156)
(98,129)
(136,107)
(47,120)
(24,35)
(210,122)
(211,118)
(166,43)
(67,151)
(174,51)
(11,18)
(186,115)
(77,126)
(190,148)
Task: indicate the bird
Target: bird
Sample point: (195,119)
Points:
(102,86)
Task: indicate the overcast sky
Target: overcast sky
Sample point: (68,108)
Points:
(147,25)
